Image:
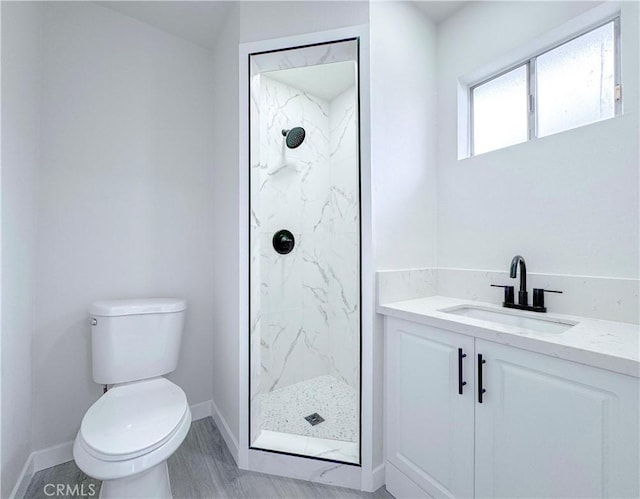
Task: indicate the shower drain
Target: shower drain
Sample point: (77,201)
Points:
(314,419)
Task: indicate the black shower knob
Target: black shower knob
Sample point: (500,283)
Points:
(283,241)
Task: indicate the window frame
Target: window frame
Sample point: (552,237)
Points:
(530,64)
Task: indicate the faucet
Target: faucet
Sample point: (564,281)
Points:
(523,300)
(522,294)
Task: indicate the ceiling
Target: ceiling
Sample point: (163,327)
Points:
(200,21)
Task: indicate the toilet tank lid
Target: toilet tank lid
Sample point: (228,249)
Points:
(112,308)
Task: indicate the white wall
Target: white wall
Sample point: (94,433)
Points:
(403,153)
(403,107)
(264,20)
(568,202)
(225,301)
(21,58)
(126,198)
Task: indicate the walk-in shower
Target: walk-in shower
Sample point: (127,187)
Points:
(304,268)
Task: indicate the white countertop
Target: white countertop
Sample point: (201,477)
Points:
(608,345)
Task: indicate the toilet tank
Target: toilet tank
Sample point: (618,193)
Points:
(135,339)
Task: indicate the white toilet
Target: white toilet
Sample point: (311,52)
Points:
(128,434)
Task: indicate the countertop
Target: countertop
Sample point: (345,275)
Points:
(614,346)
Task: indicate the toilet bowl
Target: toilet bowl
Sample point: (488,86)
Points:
(128,434)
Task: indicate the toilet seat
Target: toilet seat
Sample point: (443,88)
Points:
(131,428)
(133,419)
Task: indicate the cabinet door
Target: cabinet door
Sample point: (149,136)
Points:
(553,428)
(429,425)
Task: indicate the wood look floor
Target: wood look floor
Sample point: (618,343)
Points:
(203,468)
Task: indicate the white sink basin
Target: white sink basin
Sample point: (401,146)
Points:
(511,317)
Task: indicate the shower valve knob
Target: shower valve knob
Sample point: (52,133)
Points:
(283,241)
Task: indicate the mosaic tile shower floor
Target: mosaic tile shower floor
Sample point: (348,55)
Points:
(284,410)
(285,429)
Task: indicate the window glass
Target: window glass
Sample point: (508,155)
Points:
(575,82)
(500,111)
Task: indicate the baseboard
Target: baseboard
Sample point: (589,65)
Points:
(62,453)
(401,486)
(20,487)
(374,480)
(201,410)
(229,439)
(52,456)
(309,469)
(41,460)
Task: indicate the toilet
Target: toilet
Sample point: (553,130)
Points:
(128,434)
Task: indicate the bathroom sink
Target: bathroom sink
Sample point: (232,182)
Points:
(511,318)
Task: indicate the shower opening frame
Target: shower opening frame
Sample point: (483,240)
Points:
(359,190)
(358,475)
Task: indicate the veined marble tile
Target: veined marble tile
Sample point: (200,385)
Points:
(256,379)
(345,349)
(613,299)
(281,276)
(607,298)
(344,248)
(344,162)
(405,284)
(290,353)
(306,302)
(308,446)
(338,450)
(280,441)
(308,56)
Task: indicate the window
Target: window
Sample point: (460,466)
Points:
(571,85)
(500,111)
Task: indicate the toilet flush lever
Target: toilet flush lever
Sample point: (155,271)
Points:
(94,321)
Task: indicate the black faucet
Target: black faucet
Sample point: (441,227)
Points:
(523,299)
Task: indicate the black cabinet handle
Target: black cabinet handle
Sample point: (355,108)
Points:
(480,389)
(460,382)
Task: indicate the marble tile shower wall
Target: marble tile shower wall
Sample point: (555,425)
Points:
(344,245)
(304,305)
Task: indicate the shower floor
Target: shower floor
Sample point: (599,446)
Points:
(285,428)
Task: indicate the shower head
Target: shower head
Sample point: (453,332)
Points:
(294,136)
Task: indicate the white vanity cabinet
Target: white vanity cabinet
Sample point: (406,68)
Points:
(429,423)
(552,428)
(546,427)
